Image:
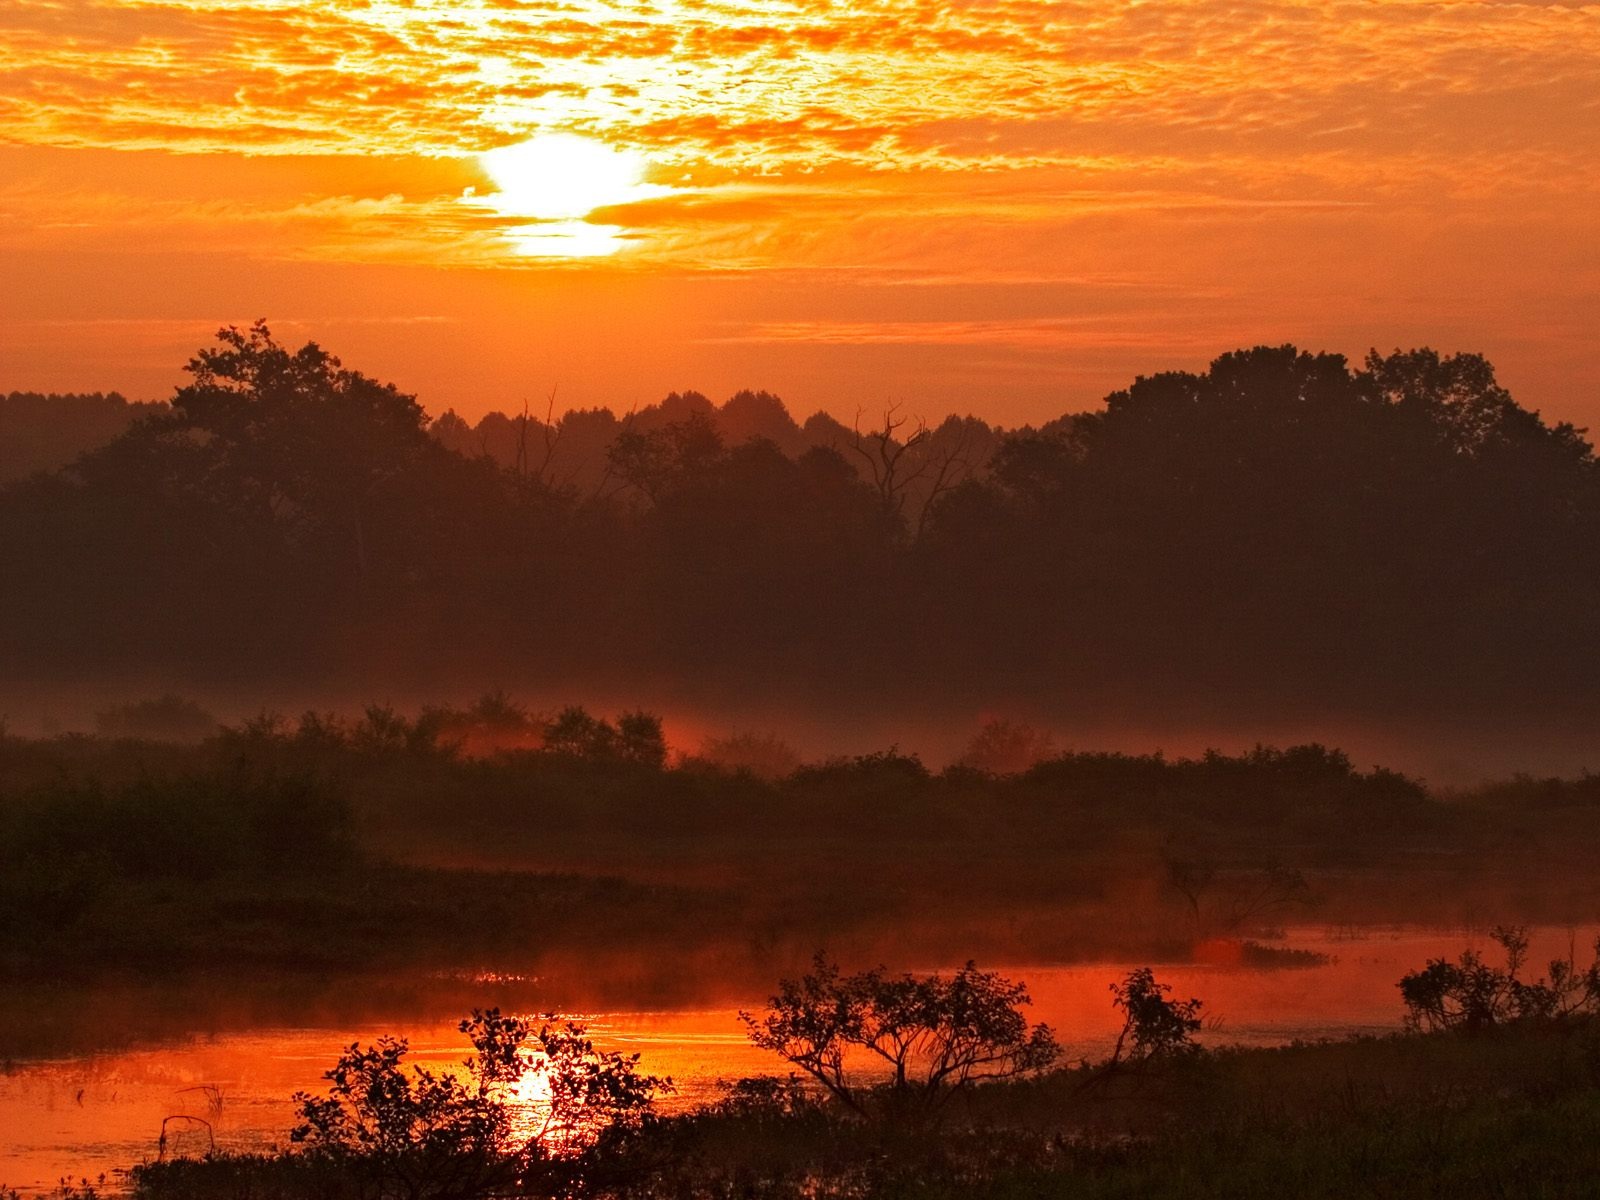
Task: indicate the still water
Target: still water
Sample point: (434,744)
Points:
(91,1114)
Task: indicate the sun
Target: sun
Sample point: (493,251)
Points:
(561,176)
(552,182)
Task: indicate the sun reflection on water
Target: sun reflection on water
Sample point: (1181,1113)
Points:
(97,1111)
(529,1100)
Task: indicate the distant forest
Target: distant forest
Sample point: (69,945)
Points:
(1285,532)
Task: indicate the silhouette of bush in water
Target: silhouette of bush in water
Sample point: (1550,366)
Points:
(1471,995)
(1153,1026)
(418,1133)
(935,1034)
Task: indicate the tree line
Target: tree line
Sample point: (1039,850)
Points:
(1283,532)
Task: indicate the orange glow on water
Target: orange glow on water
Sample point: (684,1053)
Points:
(89,1115)
(1219,952)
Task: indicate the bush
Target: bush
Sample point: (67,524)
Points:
(1153,1026)
(1471,995)
(1004,747)
(422,1134)
(934,1034)
(635,738)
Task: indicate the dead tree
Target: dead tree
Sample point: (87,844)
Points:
(885,455)
(923,464)
(946,466)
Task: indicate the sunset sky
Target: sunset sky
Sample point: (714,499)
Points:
(1006,207)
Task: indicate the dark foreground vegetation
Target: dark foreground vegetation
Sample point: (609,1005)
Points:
(964,1099)
(1285,535)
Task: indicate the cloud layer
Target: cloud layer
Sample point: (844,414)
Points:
(1304,167)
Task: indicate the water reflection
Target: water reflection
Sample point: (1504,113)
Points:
(92,1113)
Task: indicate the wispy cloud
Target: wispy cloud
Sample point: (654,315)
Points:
(779,85)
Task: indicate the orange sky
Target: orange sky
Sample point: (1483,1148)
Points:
(1005,207)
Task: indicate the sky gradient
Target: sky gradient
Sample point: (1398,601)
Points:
(1006,208)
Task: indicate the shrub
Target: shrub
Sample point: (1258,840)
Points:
(1153,1026)
(935,1034)
(635,738)
(199,826)
(1471,995)
(418,1133)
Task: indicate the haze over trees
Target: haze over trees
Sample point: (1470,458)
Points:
(1285,532)
(45,431)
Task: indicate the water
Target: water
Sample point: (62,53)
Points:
(91,1114)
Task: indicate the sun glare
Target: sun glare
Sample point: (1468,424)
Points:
(560,175)
(556,180)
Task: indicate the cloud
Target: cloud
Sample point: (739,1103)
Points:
(1305,166)
(788,87)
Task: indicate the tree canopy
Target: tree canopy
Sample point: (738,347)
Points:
(1284,532)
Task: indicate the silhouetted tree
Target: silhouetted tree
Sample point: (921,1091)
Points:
(1471,995)
(1153,1027)
(1281,533)
(765,756)
(640,740)
(635,738)
(44,432)
(933,1034)
(419,1133)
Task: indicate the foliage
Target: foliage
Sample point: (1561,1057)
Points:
(1230,900)
(408,1134)
(45,432)
(294,434)
(1274,535)
(1478,1118)
(652,461)
(1153,1026)
(934,1034)
(268,844)
(635,738)
(420,1133)
(880,769)
(1471,995)
(384,732)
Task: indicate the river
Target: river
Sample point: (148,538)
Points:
(90,1114)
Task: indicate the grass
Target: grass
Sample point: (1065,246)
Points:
(1507,1115)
